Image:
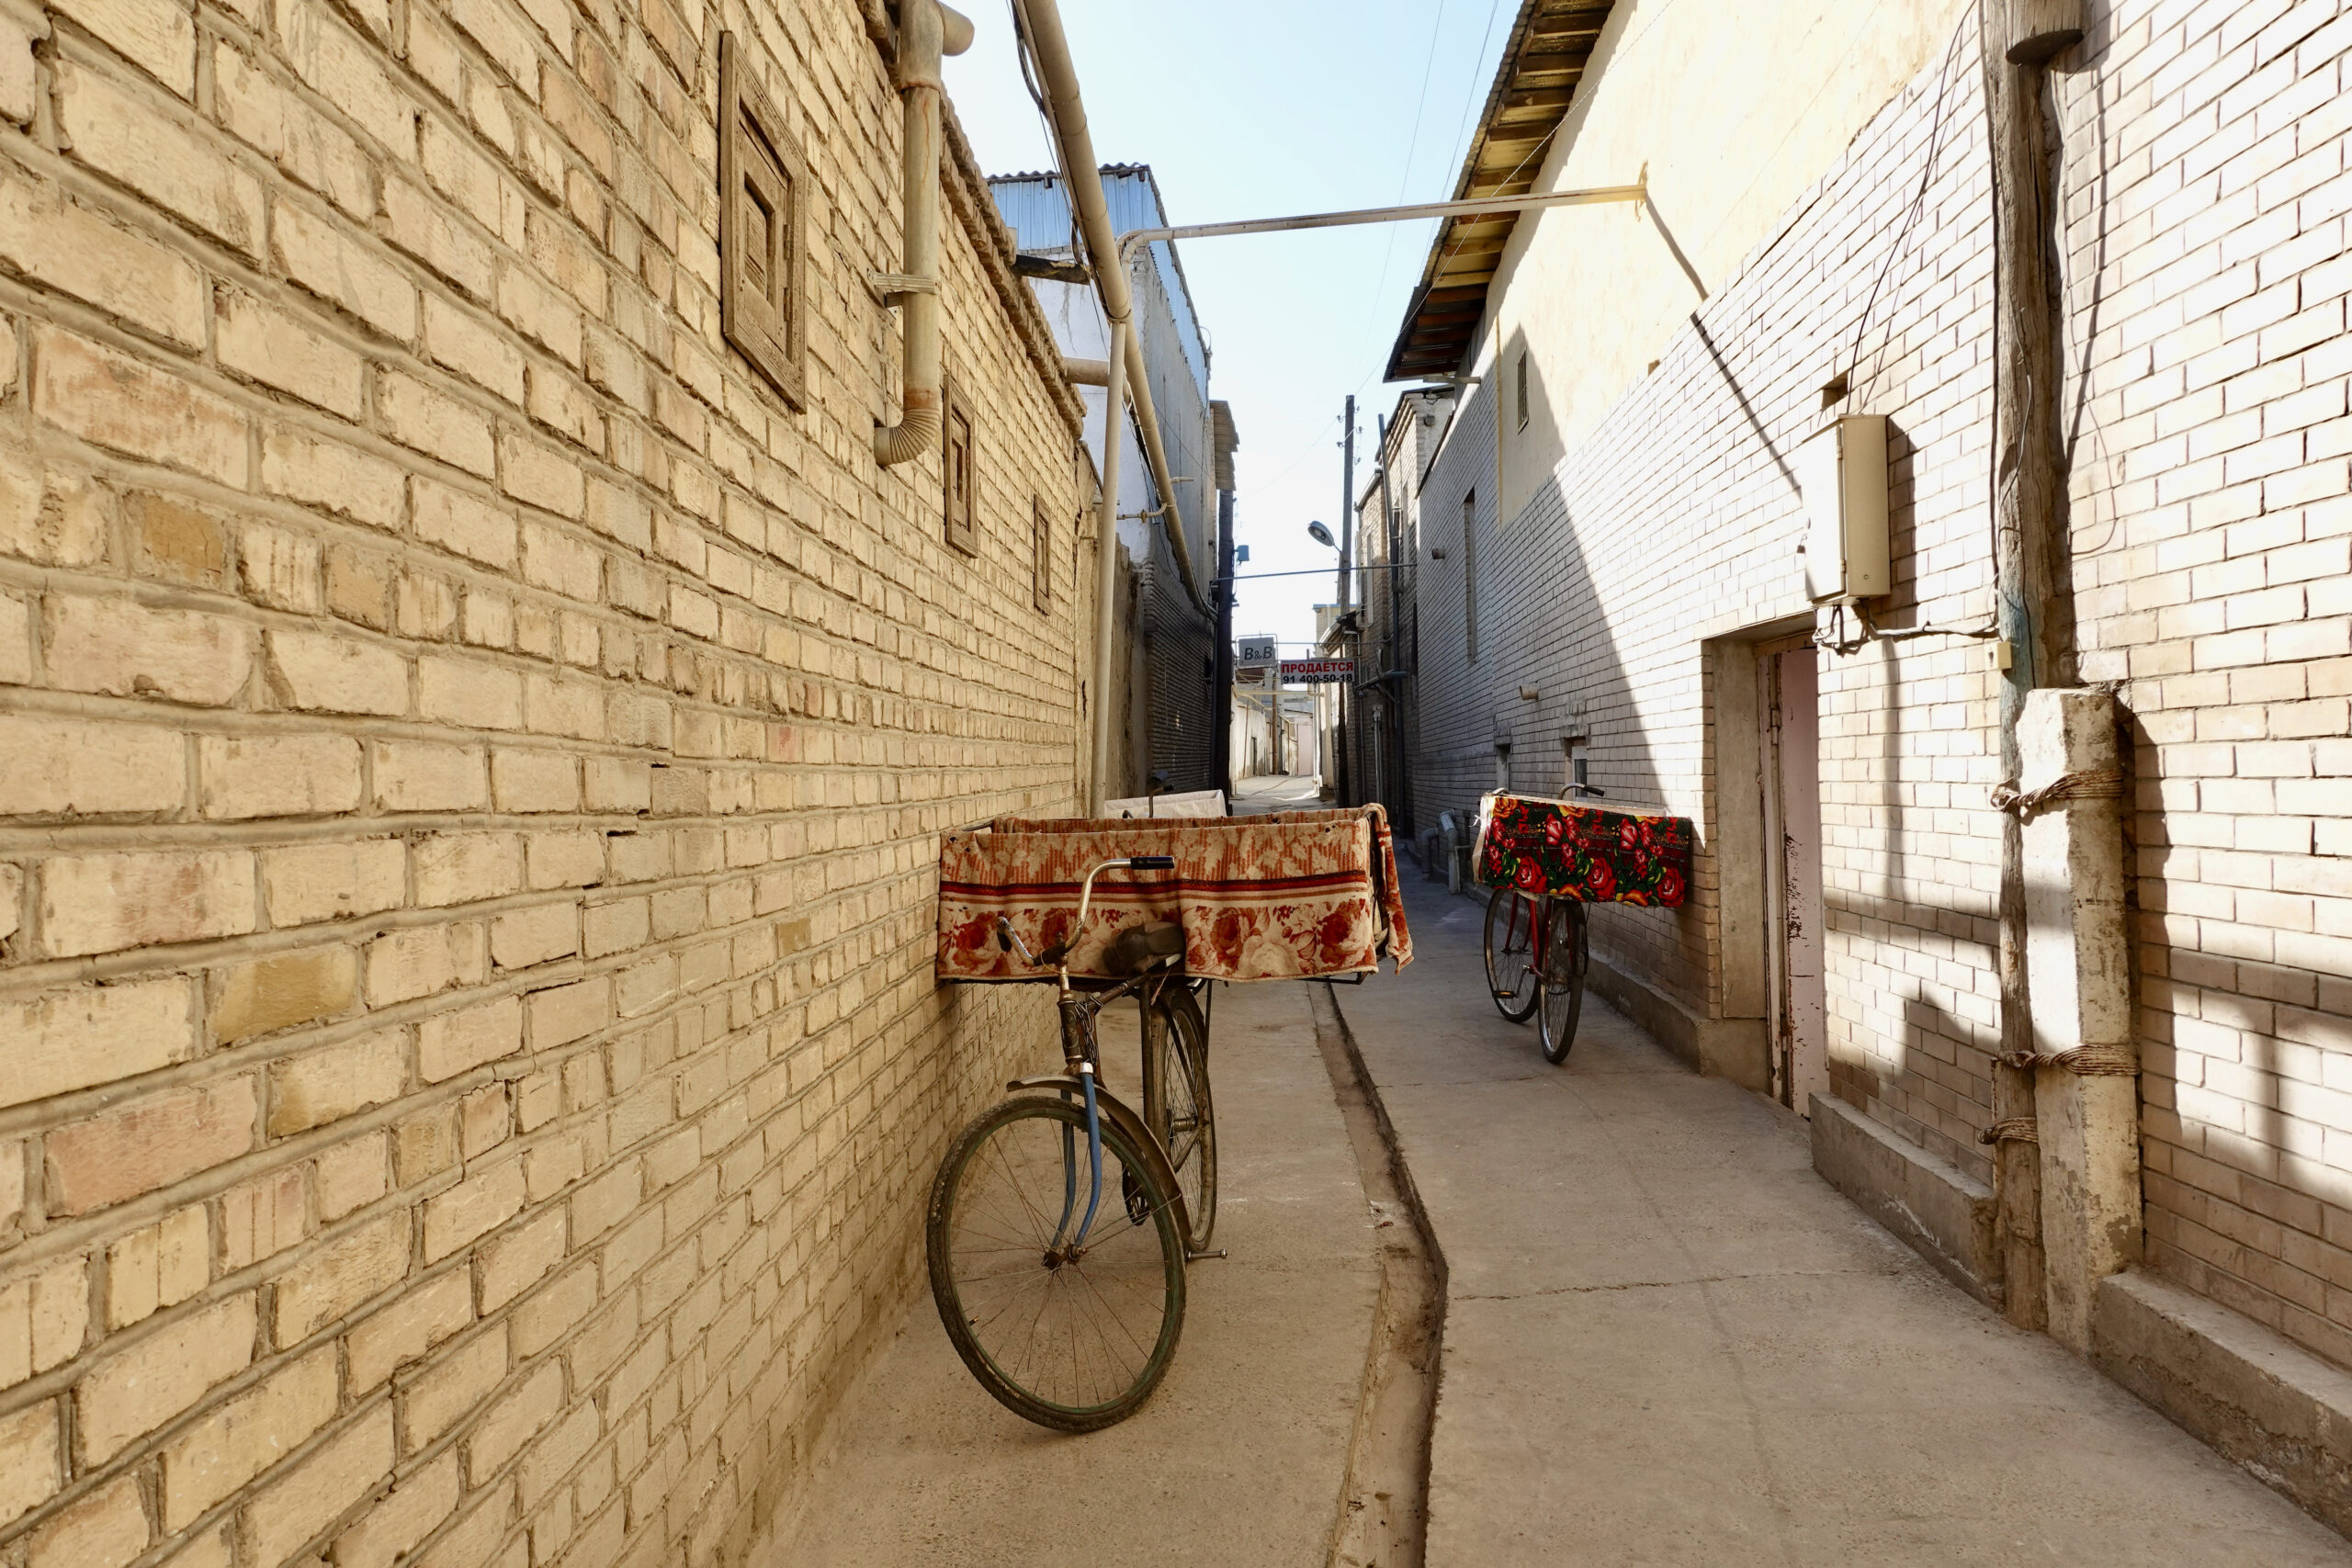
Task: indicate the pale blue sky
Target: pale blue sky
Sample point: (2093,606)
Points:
(1254,109)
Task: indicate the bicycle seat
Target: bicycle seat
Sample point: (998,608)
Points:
(1139,948)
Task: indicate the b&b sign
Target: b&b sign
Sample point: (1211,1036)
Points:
(1253,653)
(1318,671)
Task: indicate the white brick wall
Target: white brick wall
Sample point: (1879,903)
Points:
(2207,182)
(1678,521)
(2204,188)
(470,770)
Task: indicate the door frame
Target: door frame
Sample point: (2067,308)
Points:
(1744,933)
(1780,990)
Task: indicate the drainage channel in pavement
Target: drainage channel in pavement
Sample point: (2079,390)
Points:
(1384,1499)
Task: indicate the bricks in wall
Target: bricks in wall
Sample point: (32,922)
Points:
(2205,182)
(2213,519)
(1577,600)
(470,763)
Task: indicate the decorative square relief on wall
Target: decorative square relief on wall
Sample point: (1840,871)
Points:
(764,190)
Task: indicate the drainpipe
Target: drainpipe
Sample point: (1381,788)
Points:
(927,30)
(1041,23)
(1221,705)
(1106,562)
(1392,674)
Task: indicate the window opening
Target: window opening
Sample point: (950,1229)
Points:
(1041,536)
(762,176)
(1470,573)
(956,463)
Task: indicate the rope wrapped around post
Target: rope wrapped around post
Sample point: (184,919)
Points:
(2091,784)
(2083,1061)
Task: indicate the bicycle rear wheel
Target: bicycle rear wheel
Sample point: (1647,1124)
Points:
(1070,1331)
(1176,1103)
(1565,958)
(1509,943)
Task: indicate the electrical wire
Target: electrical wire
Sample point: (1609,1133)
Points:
(1909,230)
(1412,146)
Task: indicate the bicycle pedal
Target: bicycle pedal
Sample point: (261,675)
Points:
(1197,1256)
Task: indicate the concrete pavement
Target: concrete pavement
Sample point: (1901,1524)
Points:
(1668,1341)
(1240,1457)
(1278,791)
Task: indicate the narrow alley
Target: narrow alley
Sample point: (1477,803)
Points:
(1666,1340)
(1352,784)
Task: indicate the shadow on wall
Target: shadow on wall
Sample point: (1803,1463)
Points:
(2242,1172)
(1531,606)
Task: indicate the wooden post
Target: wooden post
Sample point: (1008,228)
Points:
(2041,29)
(2032,573)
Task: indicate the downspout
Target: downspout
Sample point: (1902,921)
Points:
(1221,705)
(1041,22)
(1392,674)
(927,30)
(1106,567)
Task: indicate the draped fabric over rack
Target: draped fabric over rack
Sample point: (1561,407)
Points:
(1572,849)
(1289,896)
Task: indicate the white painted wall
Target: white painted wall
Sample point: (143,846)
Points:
(1761,98)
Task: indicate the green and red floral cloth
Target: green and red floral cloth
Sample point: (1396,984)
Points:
(1288,896)
(1567,848)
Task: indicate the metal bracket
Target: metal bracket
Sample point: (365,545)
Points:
(890,288)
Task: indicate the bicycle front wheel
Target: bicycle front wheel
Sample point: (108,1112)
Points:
(1510,943)
(1070,1330)
(1565,957)
(1177,1106)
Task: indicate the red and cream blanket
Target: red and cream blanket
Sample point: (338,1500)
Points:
(1289,896)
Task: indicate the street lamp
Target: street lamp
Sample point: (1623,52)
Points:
(1321,535)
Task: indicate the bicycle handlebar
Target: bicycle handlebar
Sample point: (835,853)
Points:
(1151,862)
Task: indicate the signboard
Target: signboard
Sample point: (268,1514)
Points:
(1253,653)
(1318,671)
(1253,676)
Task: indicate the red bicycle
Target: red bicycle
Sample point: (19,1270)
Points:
(1537,952)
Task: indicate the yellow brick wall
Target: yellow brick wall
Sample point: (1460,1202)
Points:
(472,763)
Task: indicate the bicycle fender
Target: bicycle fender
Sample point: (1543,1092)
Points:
(1117,1112)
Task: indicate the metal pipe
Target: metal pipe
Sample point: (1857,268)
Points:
(1312,571)
(1392,650)
(1106,563)
(1085,372)
(1471,208)
(927,30)
(1041,22)
(1343,765)
(1221,707)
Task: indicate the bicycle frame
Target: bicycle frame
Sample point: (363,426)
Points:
(1079,1054)
(1536,907)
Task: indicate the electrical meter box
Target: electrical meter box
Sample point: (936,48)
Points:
(1841,475)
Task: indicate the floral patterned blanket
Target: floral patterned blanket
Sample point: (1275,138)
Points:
(1572,849)
(1288,896)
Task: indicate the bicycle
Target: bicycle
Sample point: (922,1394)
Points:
(1066,1321)
(1537,951)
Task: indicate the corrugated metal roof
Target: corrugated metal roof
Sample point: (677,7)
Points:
(1036,209)
(1543,64)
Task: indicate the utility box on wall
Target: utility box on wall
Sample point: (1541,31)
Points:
(1841,475)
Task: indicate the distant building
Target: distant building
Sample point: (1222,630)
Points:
(1170,673)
